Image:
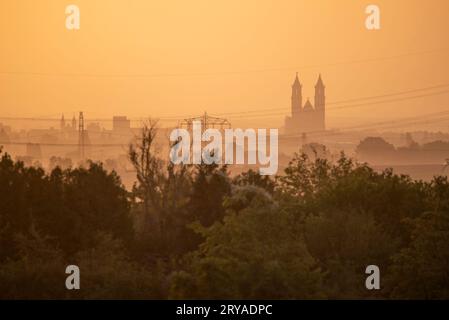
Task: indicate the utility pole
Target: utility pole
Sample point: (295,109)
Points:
(81,135)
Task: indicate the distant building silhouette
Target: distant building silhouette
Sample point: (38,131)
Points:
(121,124)
(306,118)
(62,123)
(73,123)
(66,127)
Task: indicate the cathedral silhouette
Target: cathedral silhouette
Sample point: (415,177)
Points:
(306,118)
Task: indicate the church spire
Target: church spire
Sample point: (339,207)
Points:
(320,102)
(296,80)
(62,122)
(296,96)
(319,82)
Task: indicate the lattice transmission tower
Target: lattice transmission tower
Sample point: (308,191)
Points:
(206,122)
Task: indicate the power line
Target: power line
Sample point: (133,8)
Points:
(391,94)
(350,100)
(389,124)
(102,145)
(254,113)
(215,73)
(263,112)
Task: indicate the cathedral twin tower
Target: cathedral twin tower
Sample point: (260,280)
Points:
(306,118)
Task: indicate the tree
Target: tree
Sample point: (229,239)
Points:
(148,166)
(321,186)
(253,178)
(63,163)
(22,199)
(210,185)
(82,202)
(344,243)
(68,206)
(255,253)
(164,191)
(108,272)
(420,271)
(316,150)
(35,272)
(375,149)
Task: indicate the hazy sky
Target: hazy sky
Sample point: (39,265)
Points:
(175,58)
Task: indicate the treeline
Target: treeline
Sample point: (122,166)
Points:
(377,150)
(196,232)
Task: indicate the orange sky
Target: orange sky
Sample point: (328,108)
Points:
(175,57)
